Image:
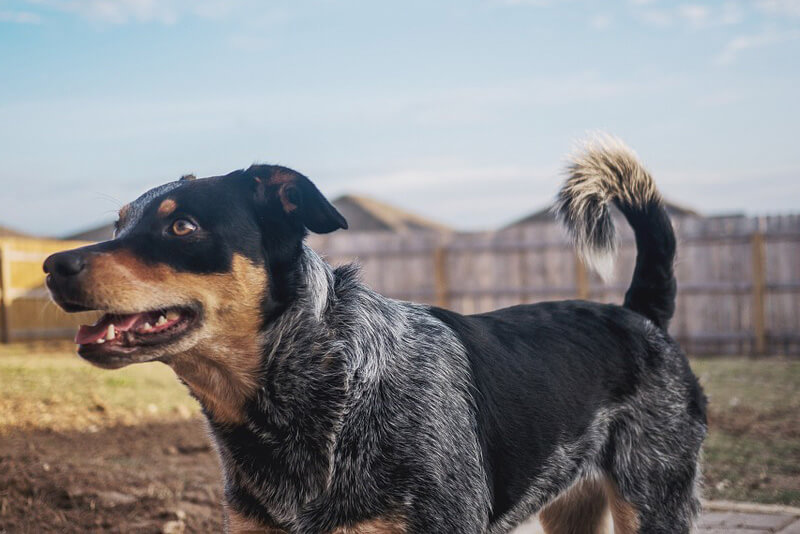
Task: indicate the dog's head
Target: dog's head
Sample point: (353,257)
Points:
(194,264)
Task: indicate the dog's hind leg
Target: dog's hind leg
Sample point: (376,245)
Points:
(654,477)
(582,509)
(638,508)
(624,514)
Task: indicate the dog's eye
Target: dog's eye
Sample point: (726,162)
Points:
(183,227)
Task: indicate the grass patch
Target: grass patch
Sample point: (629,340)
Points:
(753,447)
(60,391)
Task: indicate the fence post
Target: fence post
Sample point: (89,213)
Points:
(5,287)
(581,278)
(440,276)
(523,277)
(759,291)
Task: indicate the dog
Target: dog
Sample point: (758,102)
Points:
(334,409)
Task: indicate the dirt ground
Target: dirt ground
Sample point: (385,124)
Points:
(88,450)
(150,478)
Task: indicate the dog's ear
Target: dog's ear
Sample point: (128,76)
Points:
(293,195)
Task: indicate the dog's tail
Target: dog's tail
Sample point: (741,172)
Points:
(605,170)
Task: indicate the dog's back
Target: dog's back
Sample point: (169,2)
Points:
(577,390)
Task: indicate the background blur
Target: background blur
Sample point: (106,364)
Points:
(439,129)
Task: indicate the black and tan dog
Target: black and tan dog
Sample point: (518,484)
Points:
(336,410)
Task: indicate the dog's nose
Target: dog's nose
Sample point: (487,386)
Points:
(64,264)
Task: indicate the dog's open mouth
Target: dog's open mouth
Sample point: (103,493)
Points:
(124,333)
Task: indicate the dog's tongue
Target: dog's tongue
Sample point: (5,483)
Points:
(91,333)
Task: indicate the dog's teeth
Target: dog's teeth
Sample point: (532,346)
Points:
(100,341)
(110,333)
(172,315)
(146,327)
(161,321)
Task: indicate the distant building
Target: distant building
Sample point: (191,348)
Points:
(99,233)
(8,232)
(363,214)
(546,215)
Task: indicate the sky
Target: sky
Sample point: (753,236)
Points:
(460,110)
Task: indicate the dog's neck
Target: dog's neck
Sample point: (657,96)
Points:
(225,375)
(222,388)
(323,359)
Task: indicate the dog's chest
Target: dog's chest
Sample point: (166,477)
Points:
(269,472)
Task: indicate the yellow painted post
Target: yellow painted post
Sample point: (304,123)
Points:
(5,289)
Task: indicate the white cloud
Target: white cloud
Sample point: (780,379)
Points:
(20,17)
(733,190)
(601,22)
(538,3)
(731,13)
(448,191)
(125,11)
(725,97)
(435,174)
(695,14)
(250,42)
(780,7)
(656,17)
(742,43)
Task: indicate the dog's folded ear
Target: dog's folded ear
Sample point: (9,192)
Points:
(296,197)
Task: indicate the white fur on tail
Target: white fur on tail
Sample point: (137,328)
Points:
(601,171)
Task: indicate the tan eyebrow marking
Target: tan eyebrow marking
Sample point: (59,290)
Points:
(123,211)
(167,207)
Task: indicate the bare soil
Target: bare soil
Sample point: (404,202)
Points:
(149,478)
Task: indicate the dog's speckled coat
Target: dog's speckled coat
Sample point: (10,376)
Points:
(355,413)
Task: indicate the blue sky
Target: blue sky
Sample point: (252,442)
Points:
(459,110)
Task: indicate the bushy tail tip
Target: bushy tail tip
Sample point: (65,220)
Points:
(601,171)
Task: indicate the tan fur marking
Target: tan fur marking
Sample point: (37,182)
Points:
(167,207)
(220,360)
(374,526)
(123,211)
(281,178)
(236,523)
(288,205)
(579,510)
(285,181)
(626,517)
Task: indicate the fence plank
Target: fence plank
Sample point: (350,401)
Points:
(581,278)
(440,276)
(5,288)
(759,283)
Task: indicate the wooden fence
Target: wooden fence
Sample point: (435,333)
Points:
(25,309)
(738,278)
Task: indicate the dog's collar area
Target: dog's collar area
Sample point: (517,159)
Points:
(135,328)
